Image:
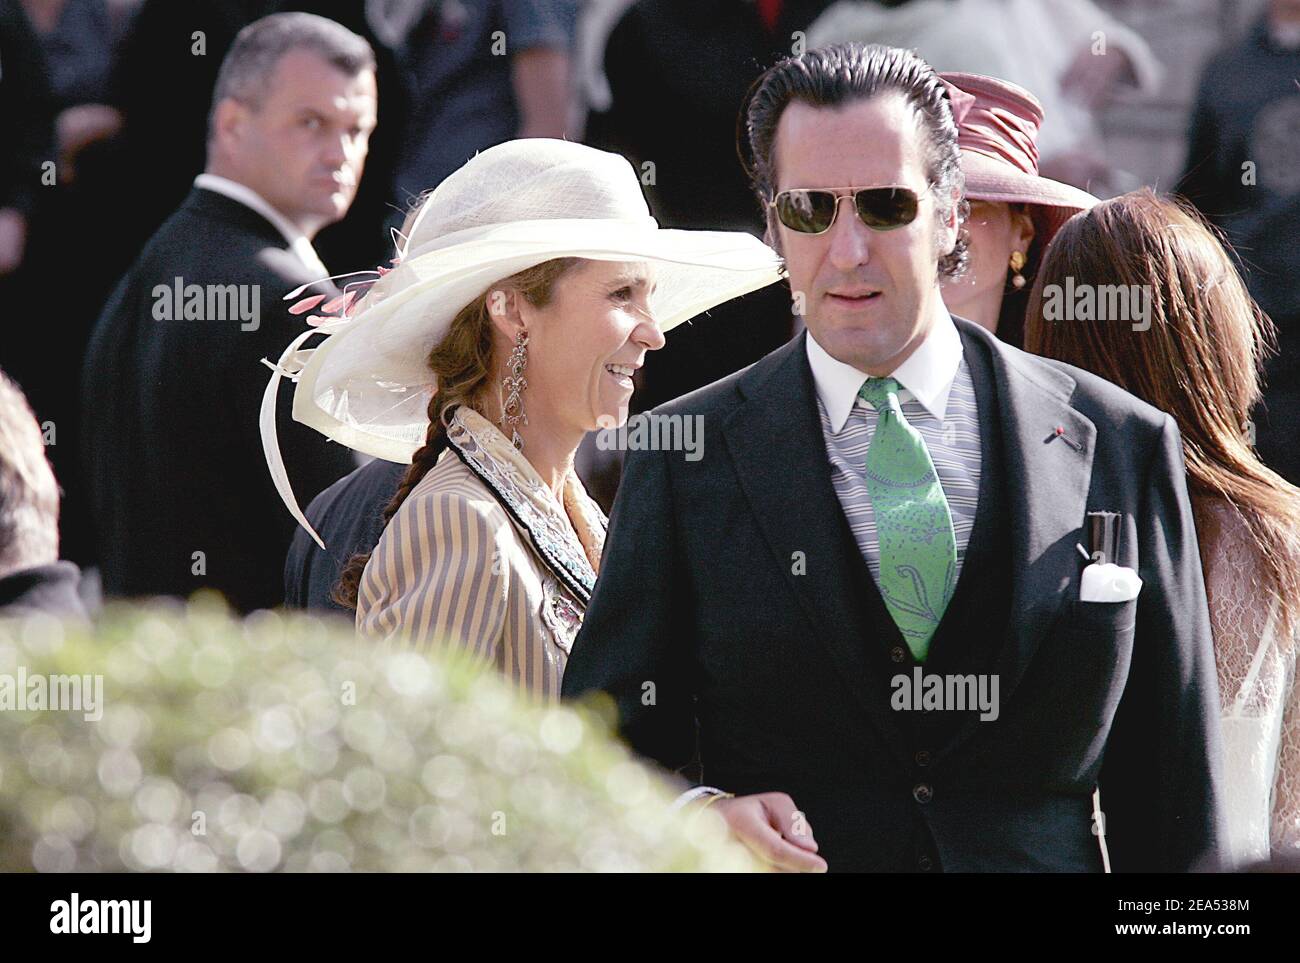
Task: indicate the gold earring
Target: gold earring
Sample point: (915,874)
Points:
(1017,262)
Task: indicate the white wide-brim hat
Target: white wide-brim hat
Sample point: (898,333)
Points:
(367,385)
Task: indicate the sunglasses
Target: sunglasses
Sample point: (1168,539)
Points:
(812,210)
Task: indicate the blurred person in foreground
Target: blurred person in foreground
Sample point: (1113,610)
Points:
(902,496)
(1197,355)
(530,289)
(1243,173)
(32,579)
(1014,212)
(172,381)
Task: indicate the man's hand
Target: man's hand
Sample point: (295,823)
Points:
(79,127)
(774,830)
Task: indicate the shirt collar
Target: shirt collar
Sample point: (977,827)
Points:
(299,243)
(927,375)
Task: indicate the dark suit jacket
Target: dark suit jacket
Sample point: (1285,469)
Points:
(171,440)
(720,646)
(348,516)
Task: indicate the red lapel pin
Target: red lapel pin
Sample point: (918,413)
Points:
(1059,432)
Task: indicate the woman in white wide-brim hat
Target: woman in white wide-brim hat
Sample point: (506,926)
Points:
(528,289)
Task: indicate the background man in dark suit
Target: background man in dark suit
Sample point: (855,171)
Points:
(173,383)
(757,606)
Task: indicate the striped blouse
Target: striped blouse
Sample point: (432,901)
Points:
(481,557)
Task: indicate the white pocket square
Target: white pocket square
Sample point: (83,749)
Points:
(1109,583)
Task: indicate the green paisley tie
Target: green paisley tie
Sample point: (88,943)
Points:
(918,551)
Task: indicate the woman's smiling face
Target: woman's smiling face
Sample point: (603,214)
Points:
(587,342)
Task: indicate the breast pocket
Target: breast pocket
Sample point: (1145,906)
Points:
(1104,616)
(1094,654)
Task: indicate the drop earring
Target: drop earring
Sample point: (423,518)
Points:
(513,385)
(1017,262)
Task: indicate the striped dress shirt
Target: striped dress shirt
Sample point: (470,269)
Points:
(937,399)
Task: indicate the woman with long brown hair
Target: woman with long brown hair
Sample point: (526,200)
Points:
(531,285)
(1140,291)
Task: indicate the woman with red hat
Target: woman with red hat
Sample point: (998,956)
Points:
(1013,211)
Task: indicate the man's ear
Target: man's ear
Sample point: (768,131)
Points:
(950,226)
(228,122)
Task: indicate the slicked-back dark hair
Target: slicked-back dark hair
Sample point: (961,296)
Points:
(847,72)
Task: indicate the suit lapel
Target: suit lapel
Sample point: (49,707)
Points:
(776,445)
(1047,482)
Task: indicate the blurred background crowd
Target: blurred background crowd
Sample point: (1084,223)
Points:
(106,109)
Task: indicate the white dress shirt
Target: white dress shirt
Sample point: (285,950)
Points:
(927,375)
(298,241)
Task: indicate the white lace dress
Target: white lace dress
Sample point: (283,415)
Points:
(1258,691)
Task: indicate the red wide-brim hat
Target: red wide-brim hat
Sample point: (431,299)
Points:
(997,132)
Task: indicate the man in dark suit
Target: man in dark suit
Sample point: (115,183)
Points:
(173,383)
(886,520)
